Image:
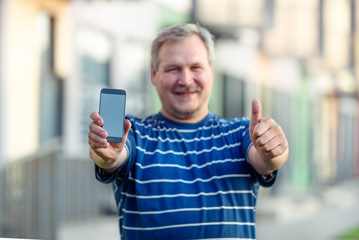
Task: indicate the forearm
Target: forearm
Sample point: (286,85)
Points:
(266,166)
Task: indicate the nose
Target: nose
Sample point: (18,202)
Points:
(185,78)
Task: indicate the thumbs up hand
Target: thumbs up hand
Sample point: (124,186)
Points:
(268,140)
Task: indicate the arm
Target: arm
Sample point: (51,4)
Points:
(270,147)
(106,155)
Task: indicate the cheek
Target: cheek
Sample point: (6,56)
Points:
(168,82)
(205,82)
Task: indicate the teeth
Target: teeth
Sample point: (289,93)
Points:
(185,90)
(192,89)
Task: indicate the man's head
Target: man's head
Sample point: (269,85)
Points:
(179,32)
(182,71)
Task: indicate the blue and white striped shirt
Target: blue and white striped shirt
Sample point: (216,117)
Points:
(187,181)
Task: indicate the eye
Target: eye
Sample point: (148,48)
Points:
(196,68)
(172,69)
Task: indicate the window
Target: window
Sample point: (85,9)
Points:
(51,86)
(94,58)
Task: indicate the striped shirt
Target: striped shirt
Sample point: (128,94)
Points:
(186,181)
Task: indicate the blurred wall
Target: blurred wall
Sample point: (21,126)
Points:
(21,51)
(2,87)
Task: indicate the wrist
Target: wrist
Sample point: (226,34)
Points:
(261,166)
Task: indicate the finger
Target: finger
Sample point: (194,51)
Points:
(256,112)
(97,146)
(270,145)
(127,126)
(262,127)
(255,116)
(275,147)
(266,131)
(96,141)
(277,151)
(96,129)
(96,118)
(119,146)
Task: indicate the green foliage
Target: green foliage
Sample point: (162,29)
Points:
(352,234)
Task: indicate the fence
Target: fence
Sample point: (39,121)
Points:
(322,130)
(40,192)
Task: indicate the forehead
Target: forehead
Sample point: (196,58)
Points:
(186,49)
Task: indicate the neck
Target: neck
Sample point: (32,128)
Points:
(192,118)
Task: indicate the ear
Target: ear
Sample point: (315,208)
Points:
(153,76)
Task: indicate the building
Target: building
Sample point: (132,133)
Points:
(299,57)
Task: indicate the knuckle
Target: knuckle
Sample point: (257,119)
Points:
(274,152)
(256,133)
(93,115)
(278,151)
(91,135)
(92,126)
(267,149)
(277,127)
(259,142)
(92,145)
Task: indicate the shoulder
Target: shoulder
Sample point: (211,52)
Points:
(225,122)
(149,120)
(149,123)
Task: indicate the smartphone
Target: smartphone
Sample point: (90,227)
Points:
(112,111)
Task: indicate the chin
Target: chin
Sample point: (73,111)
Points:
(186,113)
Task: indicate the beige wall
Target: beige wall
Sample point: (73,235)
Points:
(21,64)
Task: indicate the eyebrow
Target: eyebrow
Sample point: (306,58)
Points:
(179,65)
(171,65)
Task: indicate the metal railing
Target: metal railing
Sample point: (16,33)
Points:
(40,192)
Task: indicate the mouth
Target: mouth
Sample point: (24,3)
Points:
(185,91)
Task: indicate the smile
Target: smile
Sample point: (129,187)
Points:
(186,90)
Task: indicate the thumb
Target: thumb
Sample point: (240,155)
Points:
(127,126)
(256,114)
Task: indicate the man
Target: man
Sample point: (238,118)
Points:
(185,173)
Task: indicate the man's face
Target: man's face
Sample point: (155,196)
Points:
(184,79)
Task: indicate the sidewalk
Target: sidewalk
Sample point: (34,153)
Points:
(104,228)
(322,217)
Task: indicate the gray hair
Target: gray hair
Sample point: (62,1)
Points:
(179,32)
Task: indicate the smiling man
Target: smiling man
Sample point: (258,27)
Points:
(186,173)
(183,78)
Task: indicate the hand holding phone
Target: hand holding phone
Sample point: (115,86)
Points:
(112,111)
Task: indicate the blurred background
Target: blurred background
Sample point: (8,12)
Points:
(299,57)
